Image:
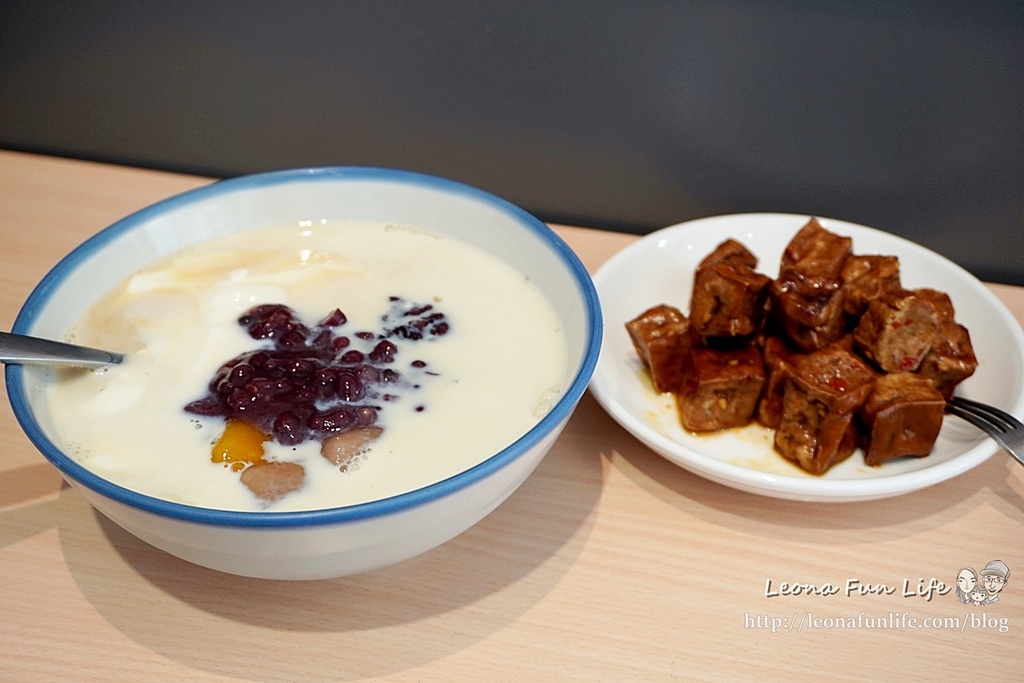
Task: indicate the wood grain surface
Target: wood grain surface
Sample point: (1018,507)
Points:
(608,564)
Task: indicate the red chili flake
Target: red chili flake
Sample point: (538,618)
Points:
(895,324)
(838,383)
(907,363)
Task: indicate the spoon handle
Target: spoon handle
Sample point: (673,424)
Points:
(18,348)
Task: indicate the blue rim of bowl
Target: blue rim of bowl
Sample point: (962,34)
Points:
(36,301)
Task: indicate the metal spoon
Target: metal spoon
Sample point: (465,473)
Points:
(25,350)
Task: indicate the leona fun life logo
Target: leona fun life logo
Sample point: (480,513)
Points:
(972,587)
(982,587)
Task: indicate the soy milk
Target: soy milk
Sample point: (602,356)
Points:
(498,371)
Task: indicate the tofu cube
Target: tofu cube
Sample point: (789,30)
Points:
(732,251)
(817,249)
(897,330)
(941,301)
(951,359)
(720,388)
(728,300)
(821,399)
(868,277)
(662,339)
(902,417)
(807,296)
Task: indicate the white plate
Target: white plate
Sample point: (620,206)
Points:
(659,269)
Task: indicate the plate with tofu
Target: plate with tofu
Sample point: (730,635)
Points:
(801,357)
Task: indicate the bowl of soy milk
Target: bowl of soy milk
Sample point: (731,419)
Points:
(327,370)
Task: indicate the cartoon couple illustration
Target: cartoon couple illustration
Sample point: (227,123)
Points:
(982,588)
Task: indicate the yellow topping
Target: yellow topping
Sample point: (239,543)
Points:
(240,443)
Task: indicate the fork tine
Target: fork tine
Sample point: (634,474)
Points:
(998,417)
(979,419)
(1004,429)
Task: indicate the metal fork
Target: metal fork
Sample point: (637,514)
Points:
(1007,430)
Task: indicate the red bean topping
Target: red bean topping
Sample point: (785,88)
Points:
(311,383)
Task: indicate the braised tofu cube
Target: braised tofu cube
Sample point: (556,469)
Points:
(720,389)
(807,296)
(780,361)
(897,330)
(941,301)
(822,397)
(731,251)
(810,315)
(815,248)
(662,339)
(951,359)
(902,417)
(866,278)
(728,300)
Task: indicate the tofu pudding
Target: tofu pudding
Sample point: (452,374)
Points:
(492,362)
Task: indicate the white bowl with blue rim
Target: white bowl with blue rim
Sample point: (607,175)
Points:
(326,542)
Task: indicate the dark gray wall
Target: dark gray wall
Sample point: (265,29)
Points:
(630,115)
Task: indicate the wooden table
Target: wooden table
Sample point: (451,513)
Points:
(609,564)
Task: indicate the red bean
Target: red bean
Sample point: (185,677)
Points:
(310,383)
